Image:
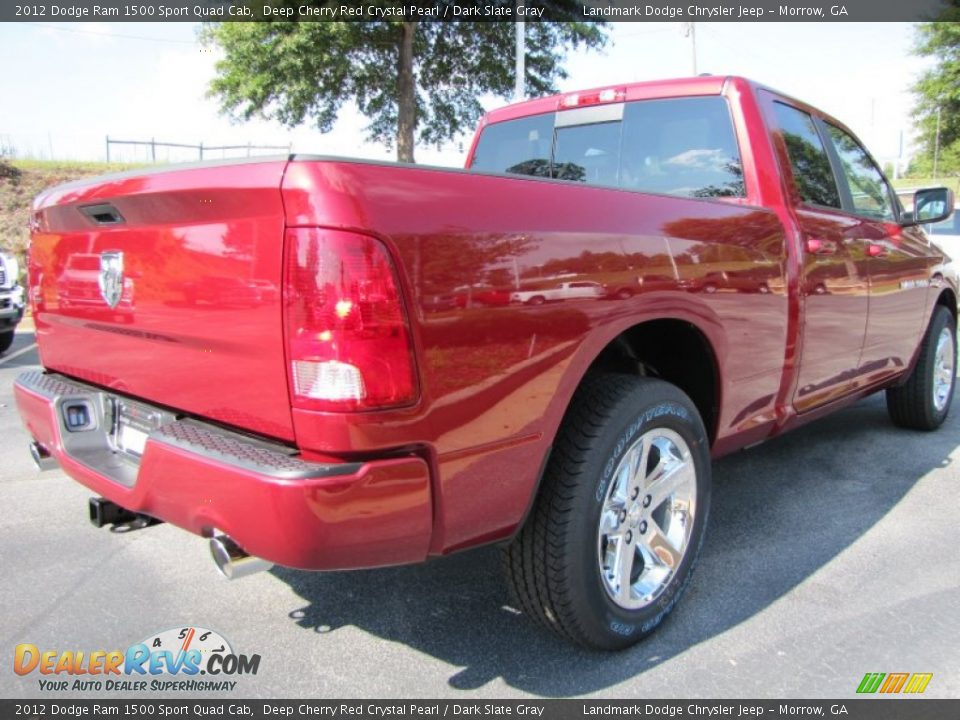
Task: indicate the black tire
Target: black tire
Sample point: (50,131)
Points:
(913,405)
(537,300)
(553,565)
(6,340)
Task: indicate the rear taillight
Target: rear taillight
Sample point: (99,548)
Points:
(347,334)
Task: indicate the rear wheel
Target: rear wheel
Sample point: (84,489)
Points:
(923,402)
(6,340)
(537,300)
(619,520)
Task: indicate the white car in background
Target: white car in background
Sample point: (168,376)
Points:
(946,235)
(563,291)
(11,299)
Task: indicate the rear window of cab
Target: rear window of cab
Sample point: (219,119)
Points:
(677,146)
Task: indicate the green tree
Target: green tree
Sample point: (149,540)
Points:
(415,81)
(939,89)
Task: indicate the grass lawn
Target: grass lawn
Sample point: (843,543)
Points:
(29,179)
(915,183)
(72,167)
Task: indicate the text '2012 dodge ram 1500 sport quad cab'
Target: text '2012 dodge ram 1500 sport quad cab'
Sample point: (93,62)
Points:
(347,420)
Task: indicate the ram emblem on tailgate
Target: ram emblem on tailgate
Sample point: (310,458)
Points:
(111,276)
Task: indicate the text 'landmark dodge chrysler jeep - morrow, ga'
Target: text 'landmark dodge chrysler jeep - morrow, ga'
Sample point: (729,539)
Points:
(744,267)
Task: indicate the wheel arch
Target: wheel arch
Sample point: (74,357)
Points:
(626,349)
(948,299)
(674,350)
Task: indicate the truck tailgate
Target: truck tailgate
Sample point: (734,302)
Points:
(166,286)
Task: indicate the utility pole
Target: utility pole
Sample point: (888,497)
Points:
(936,145)
(690,31)
(519,91)
(896,166)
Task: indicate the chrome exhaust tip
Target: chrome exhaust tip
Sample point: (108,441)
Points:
(231,560)
(41,457)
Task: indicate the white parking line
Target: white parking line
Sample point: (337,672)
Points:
(18,353)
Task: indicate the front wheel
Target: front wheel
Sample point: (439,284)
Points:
(6,340)
(923,401)
(618,523)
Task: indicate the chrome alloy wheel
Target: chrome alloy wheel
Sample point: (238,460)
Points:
(647,518)
(943,370)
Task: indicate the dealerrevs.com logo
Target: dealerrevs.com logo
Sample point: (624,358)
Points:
(172,660)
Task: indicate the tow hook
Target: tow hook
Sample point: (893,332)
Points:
(105,512)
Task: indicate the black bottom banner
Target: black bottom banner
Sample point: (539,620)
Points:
(855,709)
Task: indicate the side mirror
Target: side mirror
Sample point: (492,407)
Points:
(930,205)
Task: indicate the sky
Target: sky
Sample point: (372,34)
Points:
(65,87)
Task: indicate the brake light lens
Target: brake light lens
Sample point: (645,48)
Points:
(347,332)
(599,97)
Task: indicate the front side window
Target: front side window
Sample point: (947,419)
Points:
(679,146)
(868,189)
(812,174)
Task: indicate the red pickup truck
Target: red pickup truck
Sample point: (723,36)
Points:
(340,417)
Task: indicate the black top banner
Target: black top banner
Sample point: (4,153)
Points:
(476,10)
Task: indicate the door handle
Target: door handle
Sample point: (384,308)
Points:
(816,246)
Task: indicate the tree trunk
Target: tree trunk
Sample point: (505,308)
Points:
(406,95)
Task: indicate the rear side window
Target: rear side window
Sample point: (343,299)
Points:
(812,174)
(868,189)
(681,146)
(519,146)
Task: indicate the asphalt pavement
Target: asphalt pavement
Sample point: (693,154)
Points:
(832,552)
